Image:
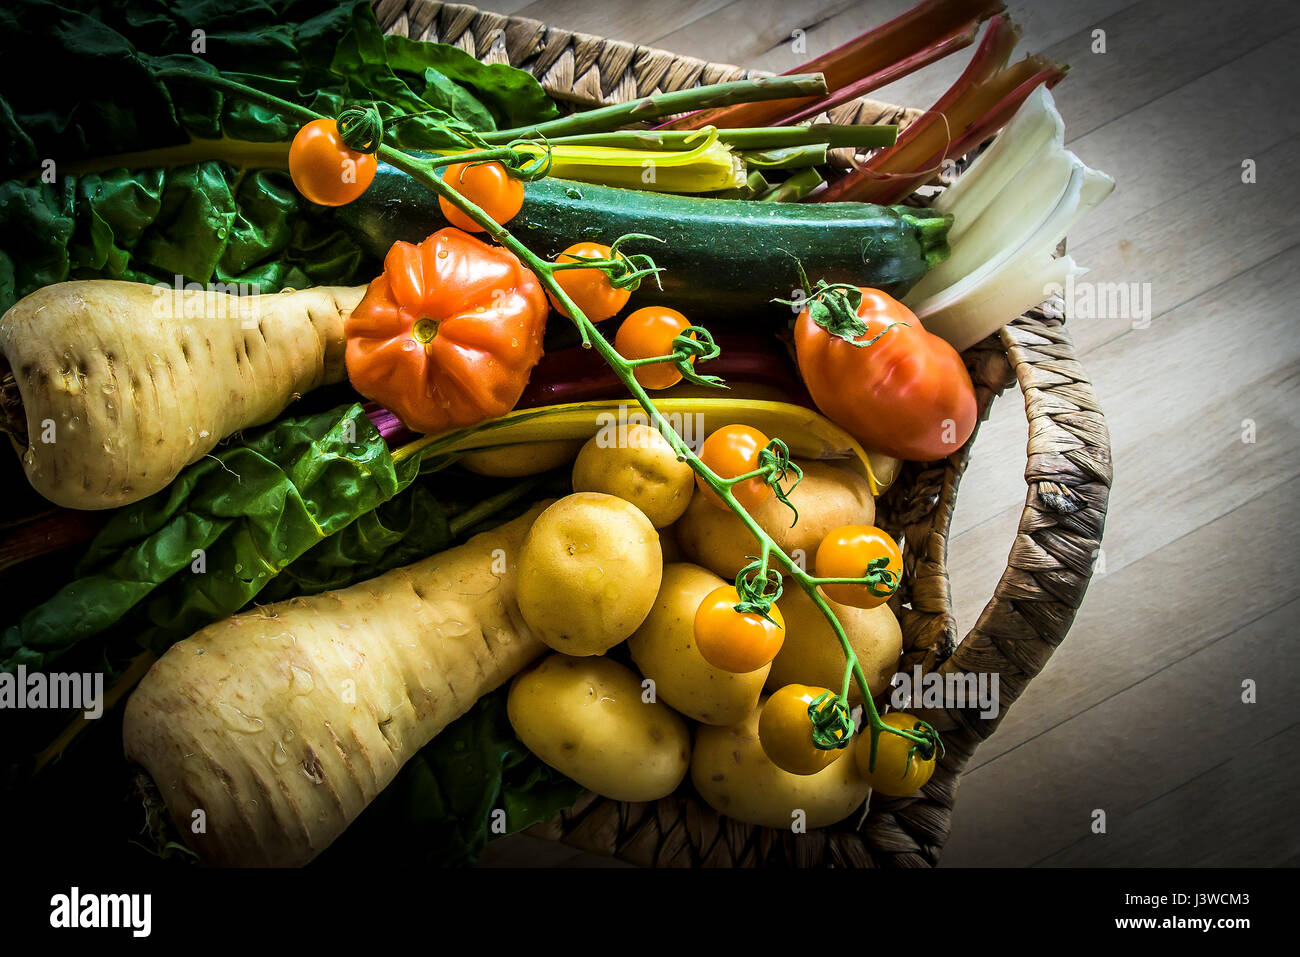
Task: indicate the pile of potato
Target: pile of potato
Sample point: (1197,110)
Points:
(625,561)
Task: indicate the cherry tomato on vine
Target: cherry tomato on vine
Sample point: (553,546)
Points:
(650,332)
(590,289)
(730,451)
(893,775)
(326,170)
(785,730)
(489,186)
(736,641)
(847,552)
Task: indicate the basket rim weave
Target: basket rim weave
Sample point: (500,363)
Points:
(1068,474)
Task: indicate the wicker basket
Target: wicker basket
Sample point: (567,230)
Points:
(1068,474)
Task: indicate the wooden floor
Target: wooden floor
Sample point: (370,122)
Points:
(1140,713)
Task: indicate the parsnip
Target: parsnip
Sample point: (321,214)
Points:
(282,724)
(123,384)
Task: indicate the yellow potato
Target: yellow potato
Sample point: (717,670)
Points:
(589,572)
(811,654)
(829,496)
(524,458)
(637,464)
(736,778)
(587,718)
(664,649)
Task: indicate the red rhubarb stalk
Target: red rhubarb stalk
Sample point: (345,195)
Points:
(958,39)
(974,108)
(875,53)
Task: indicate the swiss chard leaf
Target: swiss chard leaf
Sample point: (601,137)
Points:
(205,222)
(203,547)
(105,97)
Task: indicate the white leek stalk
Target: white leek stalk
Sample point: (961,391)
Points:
(1010,210)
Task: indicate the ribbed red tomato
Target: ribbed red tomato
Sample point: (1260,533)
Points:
(907,394)
(449,334)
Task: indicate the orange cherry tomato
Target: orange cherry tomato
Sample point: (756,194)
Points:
(785,730)
(730,451)
(326,170)
(448,334)
(893,774)
(733,640)
(650,332)
(590,289)
(847,552)
(489,186)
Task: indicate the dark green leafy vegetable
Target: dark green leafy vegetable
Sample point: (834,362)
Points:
(205,222)
(203,547)
(105,98)
(314,504)
(212,221)
(443,801)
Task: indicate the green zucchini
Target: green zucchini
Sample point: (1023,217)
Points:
(721,257)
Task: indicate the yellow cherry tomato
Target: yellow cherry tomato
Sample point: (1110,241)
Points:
(893,774)
(731,451)
(785,730)
(736,641)
(848,552)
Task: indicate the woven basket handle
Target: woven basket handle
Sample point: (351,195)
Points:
(1059,537)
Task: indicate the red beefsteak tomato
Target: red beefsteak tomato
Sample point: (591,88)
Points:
(448,334)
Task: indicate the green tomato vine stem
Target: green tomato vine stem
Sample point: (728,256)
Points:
(422,170)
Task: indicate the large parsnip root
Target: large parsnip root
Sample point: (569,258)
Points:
(281,725)
(123,384)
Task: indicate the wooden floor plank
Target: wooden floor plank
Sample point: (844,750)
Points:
(1157,47)
(1182,720)
(1167,431)
(1182,141)
(1207,822)
(1149,614)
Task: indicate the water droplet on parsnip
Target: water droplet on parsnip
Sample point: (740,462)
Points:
(236,720)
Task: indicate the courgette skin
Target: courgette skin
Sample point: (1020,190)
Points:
(721,258)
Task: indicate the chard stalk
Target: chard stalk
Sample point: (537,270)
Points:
(666,104)
(794,188)
(834,135)
(983,98)
(891,50)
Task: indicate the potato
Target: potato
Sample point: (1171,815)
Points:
(524,458)
(829,496)
(589,572)
(736,778)
(664,649)
(811,654)
(586,718)
(639,466)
